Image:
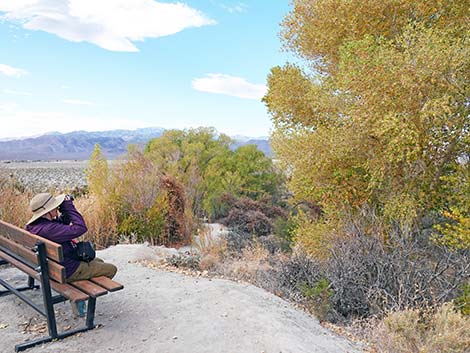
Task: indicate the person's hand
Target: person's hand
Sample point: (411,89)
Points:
(68,198)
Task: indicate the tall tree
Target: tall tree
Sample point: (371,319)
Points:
(245,172)
(97,173)
(186,155)
(380,114)
(202,161)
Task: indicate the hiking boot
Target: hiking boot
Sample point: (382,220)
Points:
(78,308)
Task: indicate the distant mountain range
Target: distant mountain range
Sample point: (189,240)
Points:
(79,145)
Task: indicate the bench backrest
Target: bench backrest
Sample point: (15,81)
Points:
(17,244)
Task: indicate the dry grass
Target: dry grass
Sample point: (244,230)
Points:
(212,249)
(253,260)
(209,262)
(101,222)
(14,202)
(417,331)
(14,209)
(206,243)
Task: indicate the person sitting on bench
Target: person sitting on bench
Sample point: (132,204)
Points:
(56,218)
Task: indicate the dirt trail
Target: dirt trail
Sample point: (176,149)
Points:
(168,312)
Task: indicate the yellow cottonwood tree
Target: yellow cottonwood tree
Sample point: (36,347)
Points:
(379,115)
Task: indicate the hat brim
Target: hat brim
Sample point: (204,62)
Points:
(51,205)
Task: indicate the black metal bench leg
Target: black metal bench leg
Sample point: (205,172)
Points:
(90,325)
(49,302)
(90,314)
(46,290)
(20,289)
(29,344)
(47,298)
(31,283)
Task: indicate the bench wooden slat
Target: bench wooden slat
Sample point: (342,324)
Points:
(64,289)
(107,283)
(69,291)
(26,269)
(56,271)
(90,288)
(21,236)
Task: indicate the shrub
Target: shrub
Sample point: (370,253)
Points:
(178,225)
(283,228)
(274,244)
(423,330)
(137,202)
(265,206)
(190,261)
(320,297)
(148,226)
(462,302)
(251,265)
(162,223)
(294,272)
(209,262)
(212,248)
(250,216)
(237,240)
(370,276)
(253,222)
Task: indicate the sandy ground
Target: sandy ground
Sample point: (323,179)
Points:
(162,312)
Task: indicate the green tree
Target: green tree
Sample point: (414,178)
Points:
(186,154)
(100,214)
(97,173)
(379,116)
(202,161)
(245,172)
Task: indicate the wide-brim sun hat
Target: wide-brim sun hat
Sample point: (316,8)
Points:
(44,203)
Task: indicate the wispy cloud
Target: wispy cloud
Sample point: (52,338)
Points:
(7,107)
(236,8)
(78,102)
(23,122)
(229,85)
(16,93)
(10,70)
(110,24)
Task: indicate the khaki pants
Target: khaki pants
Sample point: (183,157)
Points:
(95,268)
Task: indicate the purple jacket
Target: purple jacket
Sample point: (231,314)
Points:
(70,226)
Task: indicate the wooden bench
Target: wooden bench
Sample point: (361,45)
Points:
(40,259)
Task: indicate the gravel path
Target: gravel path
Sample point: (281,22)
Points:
(168,312)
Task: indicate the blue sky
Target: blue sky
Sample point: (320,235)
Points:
(92,65)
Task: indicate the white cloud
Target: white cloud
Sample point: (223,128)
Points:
(12,71)
(16,93)
(19,122)
(78,102)
(111,24)
(8,107)
(229,85)
(238,8)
